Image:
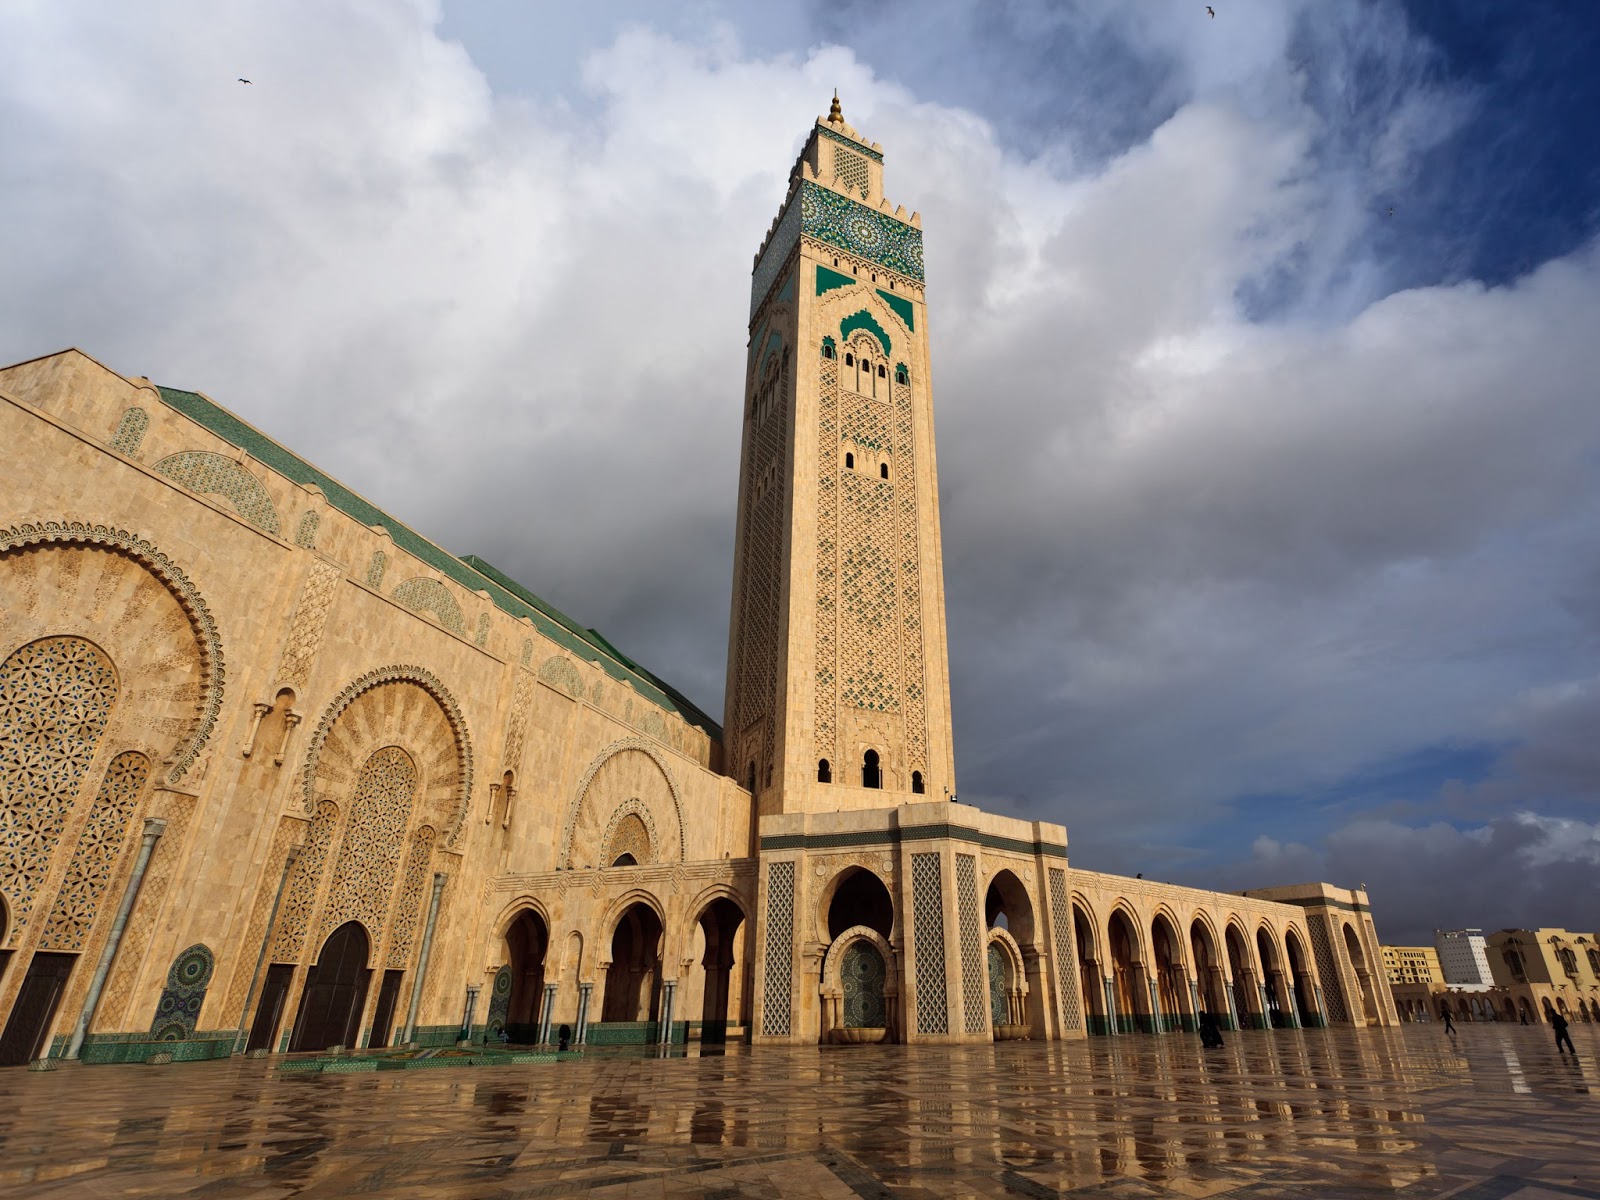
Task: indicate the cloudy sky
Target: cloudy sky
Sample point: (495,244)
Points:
(1265,352)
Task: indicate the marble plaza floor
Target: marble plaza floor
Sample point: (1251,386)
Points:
(1495,1114)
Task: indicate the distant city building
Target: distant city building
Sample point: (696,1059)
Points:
(1412,964)
(1462,955)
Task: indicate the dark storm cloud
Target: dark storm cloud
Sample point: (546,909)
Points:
(1226,515)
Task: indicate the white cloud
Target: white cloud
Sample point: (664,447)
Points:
(1192,552)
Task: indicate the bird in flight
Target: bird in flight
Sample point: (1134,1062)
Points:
(1212,11)
(242,79)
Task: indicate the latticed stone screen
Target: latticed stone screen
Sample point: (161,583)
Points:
(927,915)
(130,431)
(775,1010)
(1066,955)
(851,170)
(369,856)
(305,533)
(1327,968)
(55,699)
(750,724)
(94,860)
(215,474)
(301,899)
(408,910)
(826,702)
(421,594)
(972,989)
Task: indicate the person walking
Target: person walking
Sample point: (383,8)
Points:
(1449,1024)
(1562,1035)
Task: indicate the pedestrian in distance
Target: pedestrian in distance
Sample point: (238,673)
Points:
(1210,1034)
(1449,1023)
(1563,1037)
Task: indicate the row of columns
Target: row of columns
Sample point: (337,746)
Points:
(1288,1001)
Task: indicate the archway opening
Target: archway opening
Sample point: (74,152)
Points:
(1171,984)
(719,925)
(336,991)
(1271,979)
(1247,1002)
(1208,972)
(1305,993)
(1089,978)
(861,899)
(527,945)
(1124,969)
(871,773)
(631,991)
(1006,906)
(1358,960)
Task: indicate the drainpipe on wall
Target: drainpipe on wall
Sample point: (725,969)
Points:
(154,827)
(261,958)
(422,958)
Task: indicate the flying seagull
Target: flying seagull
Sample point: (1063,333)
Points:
(243,80)
(1212,11)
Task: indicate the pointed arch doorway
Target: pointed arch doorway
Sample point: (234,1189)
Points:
(336,992)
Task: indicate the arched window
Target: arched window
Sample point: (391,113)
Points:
(882,372)
(626,860)
(900,375)
(916,782)
(849,359)
(871,776)
(824,772)
(750,777)
(883,470)
(849,460)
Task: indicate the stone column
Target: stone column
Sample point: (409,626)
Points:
(154,827)
(422,960)
(466,1014)
(581,1034)
(546,1013)
(669,988)
(261,958)
(1110,982)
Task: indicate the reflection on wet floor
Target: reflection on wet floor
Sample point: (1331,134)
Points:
(1494,1113)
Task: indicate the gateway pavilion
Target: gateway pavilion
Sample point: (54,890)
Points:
(277,773)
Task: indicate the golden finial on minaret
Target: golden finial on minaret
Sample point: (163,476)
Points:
(835,114)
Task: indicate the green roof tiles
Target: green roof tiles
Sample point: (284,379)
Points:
(470,572)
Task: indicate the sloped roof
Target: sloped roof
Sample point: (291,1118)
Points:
(470,571)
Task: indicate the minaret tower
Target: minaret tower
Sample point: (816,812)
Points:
(838,691)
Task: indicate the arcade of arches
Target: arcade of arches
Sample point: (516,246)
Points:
(352,790)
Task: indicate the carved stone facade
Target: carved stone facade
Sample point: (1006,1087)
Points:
(323,743)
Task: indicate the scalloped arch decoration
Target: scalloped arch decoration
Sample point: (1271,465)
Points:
(423,595)
(213,474)
(203,624)
(638,810)
(402,673)
(560,672)
(621,746)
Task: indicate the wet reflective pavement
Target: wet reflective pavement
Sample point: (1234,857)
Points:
(1338,1113)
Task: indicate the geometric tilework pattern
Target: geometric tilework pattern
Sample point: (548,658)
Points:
(862,974)
(499,1003)
(376,565)
(309,620)
(130,431)
(927,909)
(216,474)
(421,594)
(850,169)
(410,904)
(305,877)
(178,1010)
(775,1010)
(774,256)
(55,699)
(305,533)
(869,636)
(826,693)
(94,859)
(916,712)
(998,1008)
(374,833)
(1322,950)
(560,672)
(760,573)
(839,221)
(1066,961)
(972,981)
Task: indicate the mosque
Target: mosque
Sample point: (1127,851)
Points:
(278,773)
